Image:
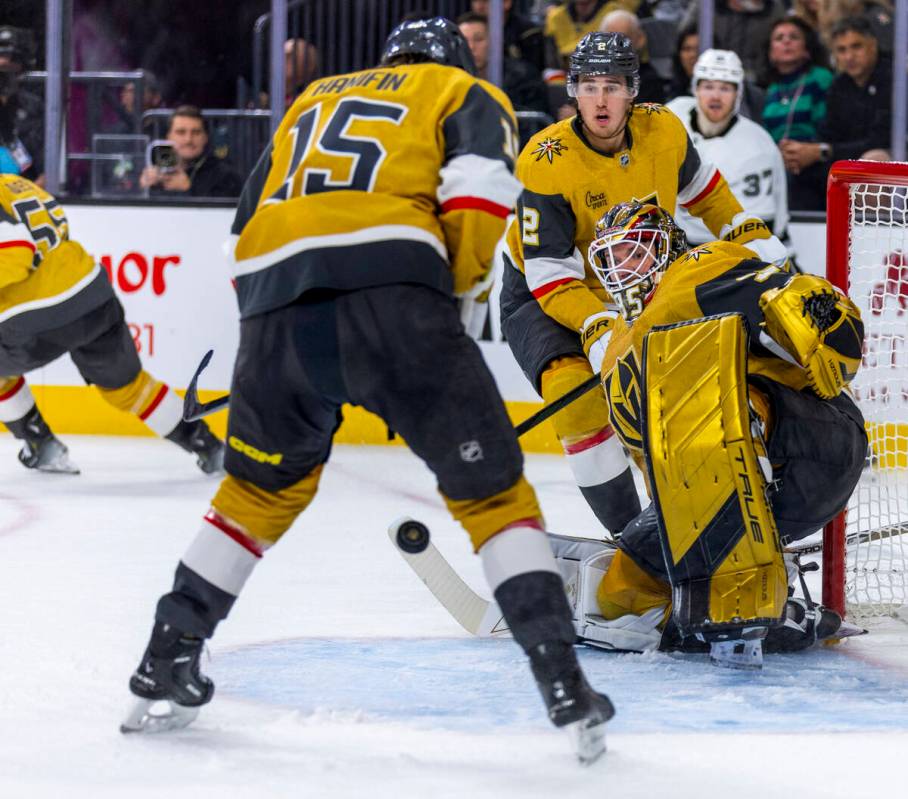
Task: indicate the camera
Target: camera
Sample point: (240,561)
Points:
(162,155)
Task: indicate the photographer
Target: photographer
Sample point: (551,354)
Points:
(190,167)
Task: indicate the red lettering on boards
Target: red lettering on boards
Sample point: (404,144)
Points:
(133,271)
(142,337)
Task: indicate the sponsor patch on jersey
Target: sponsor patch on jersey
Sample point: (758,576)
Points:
(595,199)
(549,148)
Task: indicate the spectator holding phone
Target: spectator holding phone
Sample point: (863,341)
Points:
(190,168)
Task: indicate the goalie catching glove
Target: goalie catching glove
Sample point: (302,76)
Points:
(752,232)
(595,335)
(819,327)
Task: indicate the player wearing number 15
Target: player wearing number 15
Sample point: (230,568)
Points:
(54,300)
(382,196)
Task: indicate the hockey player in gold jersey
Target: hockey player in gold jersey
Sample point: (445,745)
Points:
(555,314)
(54,300)
(727,379)
(381,197)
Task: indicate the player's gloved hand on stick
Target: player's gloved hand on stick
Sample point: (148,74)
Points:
(594,336)
(752,232)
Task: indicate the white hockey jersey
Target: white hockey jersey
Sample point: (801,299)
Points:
(751,163)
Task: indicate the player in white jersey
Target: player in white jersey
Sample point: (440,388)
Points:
(742,150)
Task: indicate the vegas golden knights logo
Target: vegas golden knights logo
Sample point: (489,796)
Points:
(622,386)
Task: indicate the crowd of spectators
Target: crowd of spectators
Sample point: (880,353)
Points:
(817,73)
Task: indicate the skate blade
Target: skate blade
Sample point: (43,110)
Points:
(141,717)
(55,460)
(588,740)
(59,468)
(847,630)
(738,655)
(736,665)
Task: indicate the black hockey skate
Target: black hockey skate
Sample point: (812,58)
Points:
(805,624)
(196,437)
(573,705)
(169,673)
(41,449)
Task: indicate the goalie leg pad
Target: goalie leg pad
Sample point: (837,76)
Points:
(718,535)
(584,565)
(626,588)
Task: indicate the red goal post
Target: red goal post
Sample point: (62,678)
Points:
(864,555)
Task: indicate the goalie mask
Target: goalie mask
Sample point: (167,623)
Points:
(436,39)
(634,244)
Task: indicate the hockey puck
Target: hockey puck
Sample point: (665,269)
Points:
(412,537)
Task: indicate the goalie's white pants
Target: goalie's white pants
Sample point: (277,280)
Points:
(583,563)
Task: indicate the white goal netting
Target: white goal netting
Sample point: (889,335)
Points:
(876,529)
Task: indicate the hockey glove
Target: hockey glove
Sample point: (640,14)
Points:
(595,335)
(819,327)
(752,232)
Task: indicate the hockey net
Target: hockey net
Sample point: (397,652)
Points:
(865,550)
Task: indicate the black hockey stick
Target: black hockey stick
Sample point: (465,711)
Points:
(552,408)
(852,539)
(193,409)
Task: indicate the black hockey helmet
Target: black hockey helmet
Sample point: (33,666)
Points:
(604,54)
(436,39)
(18,44)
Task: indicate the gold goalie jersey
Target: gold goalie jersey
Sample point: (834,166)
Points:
(391,175)
(46,280)
(569,186)
(720,278)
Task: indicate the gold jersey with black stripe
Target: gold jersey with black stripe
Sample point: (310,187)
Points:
(397,174)
(715,278)
(46,279)
(569,185)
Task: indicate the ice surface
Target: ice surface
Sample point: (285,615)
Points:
(339,675)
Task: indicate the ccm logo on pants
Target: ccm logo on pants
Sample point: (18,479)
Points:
(256,454)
